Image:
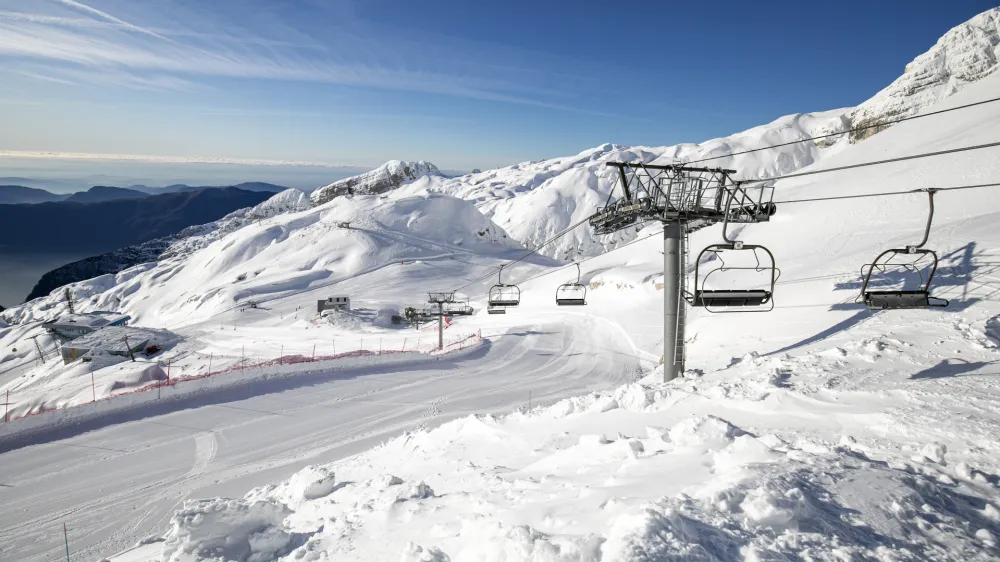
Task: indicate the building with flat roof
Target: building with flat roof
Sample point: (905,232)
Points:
(340,302)
(75,325)
(107,341)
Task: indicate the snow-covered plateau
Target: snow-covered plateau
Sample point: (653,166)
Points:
(818,431)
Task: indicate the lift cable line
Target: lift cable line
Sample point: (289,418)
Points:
(742,182)
(874,163)
(571,264)
(848,131)
(530,253)
(886,193)
(793,201)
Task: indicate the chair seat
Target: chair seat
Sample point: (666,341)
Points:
(751,297)
(571,302)
(504,303)
(496,311)
(893,300)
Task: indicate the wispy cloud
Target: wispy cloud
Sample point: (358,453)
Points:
(107,17)
(163,159)
(213,43)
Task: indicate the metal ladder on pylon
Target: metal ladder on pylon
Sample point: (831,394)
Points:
(682,257)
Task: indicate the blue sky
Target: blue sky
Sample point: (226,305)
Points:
(463,84)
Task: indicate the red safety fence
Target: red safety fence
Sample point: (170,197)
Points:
(244,364)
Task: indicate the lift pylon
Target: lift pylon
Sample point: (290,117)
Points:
(441,298)
(682,198)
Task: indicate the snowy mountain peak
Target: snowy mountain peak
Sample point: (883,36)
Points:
(963,55)
(386,177)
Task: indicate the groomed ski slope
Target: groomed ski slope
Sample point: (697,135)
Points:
(818,431)
(121,483)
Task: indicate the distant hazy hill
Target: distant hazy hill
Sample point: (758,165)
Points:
(105,193)
(68,226)
(179,187)
(12,194)
(185,241)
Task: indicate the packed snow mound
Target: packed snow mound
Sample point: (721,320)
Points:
(286,253)
(532,201)
(963,55)
(230,530)
(386,177)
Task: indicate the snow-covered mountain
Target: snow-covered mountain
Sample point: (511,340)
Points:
(124,258)
(819,430)
(534,200)
(965,54)
(388,176)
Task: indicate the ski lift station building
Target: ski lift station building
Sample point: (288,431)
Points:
(72,326)
(119,341)
(338,302)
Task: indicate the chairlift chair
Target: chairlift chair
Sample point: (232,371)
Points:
(572,294)
(502,295)
(458,308)
(898,299)
(496,310)
(735,299)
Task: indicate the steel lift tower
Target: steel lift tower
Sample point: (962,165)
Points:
(684,199)
(441,298)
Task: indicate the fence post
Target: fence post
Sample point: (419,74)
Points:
(362,346)
(314,352)
(6,406)
(404,345)
(168,371)
(210,356)
(93,389)
(66,538)
(380,346)
(243,350)
(281,357)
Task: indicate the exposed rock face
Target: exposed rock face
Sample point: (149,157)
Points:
(386,177)
(963,55)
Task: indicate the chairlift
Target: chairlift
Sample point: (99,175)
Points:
(503,296)
(911,259)
(496,310)
(734,299)
(572,294)
(458,308)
